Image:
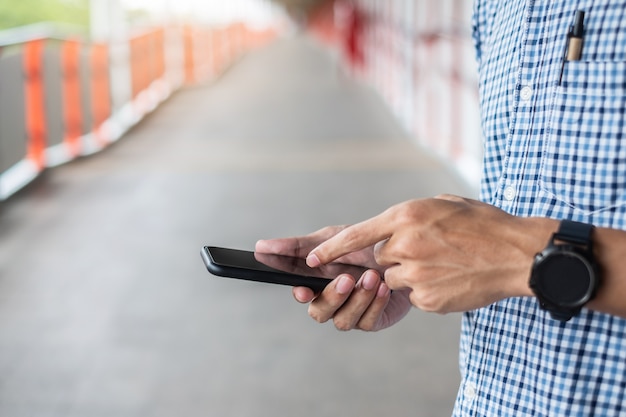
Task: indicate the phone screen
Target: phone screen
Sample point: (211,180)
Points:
(276,269)
(264,262)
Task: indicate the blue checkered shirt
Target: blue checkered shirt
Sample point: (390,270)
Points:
(555,146)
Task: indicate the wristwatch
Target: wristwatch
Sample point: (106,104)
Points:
(565,275)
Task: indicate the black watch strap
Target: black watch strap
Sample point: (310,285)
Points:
(575,233)
(563,316)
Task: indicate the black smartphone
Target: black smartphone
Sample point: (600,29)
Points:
(274,269)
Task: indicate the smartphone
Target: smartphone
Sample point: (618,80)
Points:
(274,269)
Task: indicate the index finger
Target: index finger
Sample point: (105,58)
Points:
(350,239)
(296,246)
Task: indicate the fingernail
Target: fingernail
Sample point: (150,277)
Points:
(369,280)
(383,290)
(313,261)
(344,285)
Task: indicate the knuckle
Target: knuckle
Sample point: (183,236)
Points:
(405,213)
(342,325)
(428,301)
(367,326)
(317,315)
(406,248)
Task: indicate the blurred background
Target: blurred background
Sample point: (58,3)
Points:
(133,132)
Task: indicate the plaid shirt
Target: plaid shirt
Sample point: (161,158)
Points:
(554,147)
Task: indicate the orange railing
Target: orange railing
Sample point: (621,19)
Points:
(58,98)
(34,118)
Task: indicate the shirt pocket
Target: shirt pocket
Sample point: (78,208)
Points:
(584,154)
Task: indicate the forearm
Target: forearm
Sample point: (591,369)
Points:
(610,252)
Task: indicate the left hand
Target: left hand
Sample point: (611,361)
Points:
(353,300)
(452,253)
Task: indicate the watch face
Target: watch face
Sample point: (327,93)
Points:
(566,279)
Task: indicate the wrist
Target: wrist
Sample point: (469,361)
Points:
(610,251)
(532,234)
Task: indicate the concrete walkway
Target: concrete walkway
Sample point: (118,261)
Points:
(106,308)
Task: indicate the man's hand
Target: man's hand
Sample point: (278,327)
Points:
(449,253)
(352,302)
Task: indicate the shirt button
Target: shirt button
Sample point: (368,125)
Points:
(469,391)
(509,193)
(526,93)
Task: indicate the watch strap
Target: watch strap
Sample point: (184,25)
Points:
(574,232)
(562,315)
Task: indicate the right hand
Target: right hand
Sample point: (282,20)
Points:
(364,302)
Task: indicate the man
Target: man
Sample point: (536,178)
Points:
(541,335)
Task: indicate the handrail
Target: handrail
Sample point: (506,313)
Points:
(40,31)
(70,97)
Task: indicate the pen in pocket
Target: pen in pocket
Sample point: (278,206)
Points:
(575,37)
(574,42)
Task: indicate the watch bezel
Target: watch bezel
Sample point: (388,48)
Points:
(548,254)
